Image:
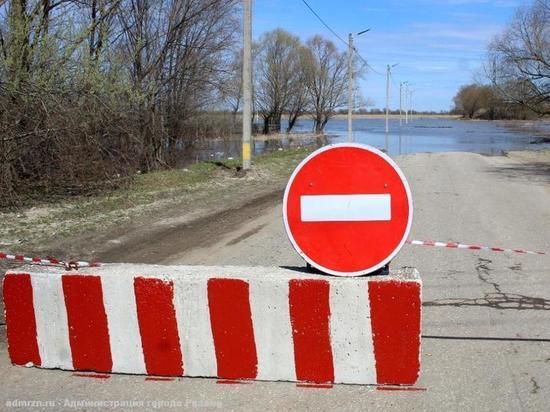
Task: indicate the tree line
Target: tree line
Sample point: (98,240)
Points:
(292,78)
(517,73)
(92,90)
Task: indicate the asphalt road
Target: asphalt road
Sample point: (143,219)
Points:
(486,316)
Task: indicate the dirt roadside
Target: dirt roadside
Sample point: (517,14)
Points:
(158,242)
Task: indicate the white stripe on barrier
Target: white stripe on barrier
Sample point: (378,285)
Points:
(352,347)
(120,307)
(51,322)
(193,319)
(345,208)
(272,329)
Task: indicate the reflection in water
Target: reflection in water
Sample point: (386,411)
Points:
(422,135)
(400,142)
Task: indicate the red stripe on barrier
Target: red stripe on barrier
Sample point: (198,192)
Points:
(232,329)
(395,319)
(309,315)
(20,258)
(3,255)
(20,320)
(158,326)
(474,247)
(88,330)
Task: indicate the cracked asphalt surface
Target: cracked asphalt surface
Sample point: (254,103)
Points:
(486,316)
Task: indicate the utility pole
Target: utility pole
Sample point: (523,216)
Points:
(388,74)
(388,68)
(247,84)
(401,84)
(406,104)
(350,83)
(400,103)
(350,87)
(411,104)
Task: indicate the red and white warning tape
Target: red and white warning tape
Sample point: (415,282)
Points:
(69,265)
(454,245)
(48,261)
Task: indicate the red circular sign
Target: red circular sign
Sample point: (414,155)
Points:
(347,209)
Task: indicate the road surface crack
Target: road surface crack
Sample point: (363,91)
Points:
(483,272)
(536,387)
(496,299)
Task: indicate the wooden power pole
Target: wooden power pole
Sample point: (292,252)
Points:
(247,85)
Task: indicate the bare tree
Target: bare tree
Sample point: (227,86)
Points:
(231,87)
(299,100)
(477,101)
(519,58)
(326,80)
(278,75)
(176,49)
(91,88)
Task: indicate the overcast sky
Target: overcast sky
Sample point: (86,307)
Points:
(439,44)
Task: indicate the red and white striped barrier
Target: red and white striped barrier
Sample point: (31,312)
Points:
(454,245)
(73,264)
(224,322)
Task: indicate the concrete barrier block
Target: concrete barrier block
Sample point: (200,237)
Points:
(264,323)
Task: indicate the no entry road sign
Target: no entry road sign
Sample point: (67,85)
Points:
(347,209)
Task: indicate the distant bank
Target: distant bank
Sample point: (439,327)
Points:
(396,116)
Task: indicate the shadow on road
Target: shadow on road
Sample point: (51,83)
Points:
(536,172)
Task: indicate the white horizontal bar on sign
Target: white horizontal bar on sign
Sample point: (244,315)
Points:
(345,208)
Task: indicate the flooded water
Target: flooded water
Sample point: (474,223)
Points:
(434,135)
(422,135)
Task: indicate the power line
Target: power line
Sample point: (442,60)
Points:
(340,38)
(367,63)
(324,23)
